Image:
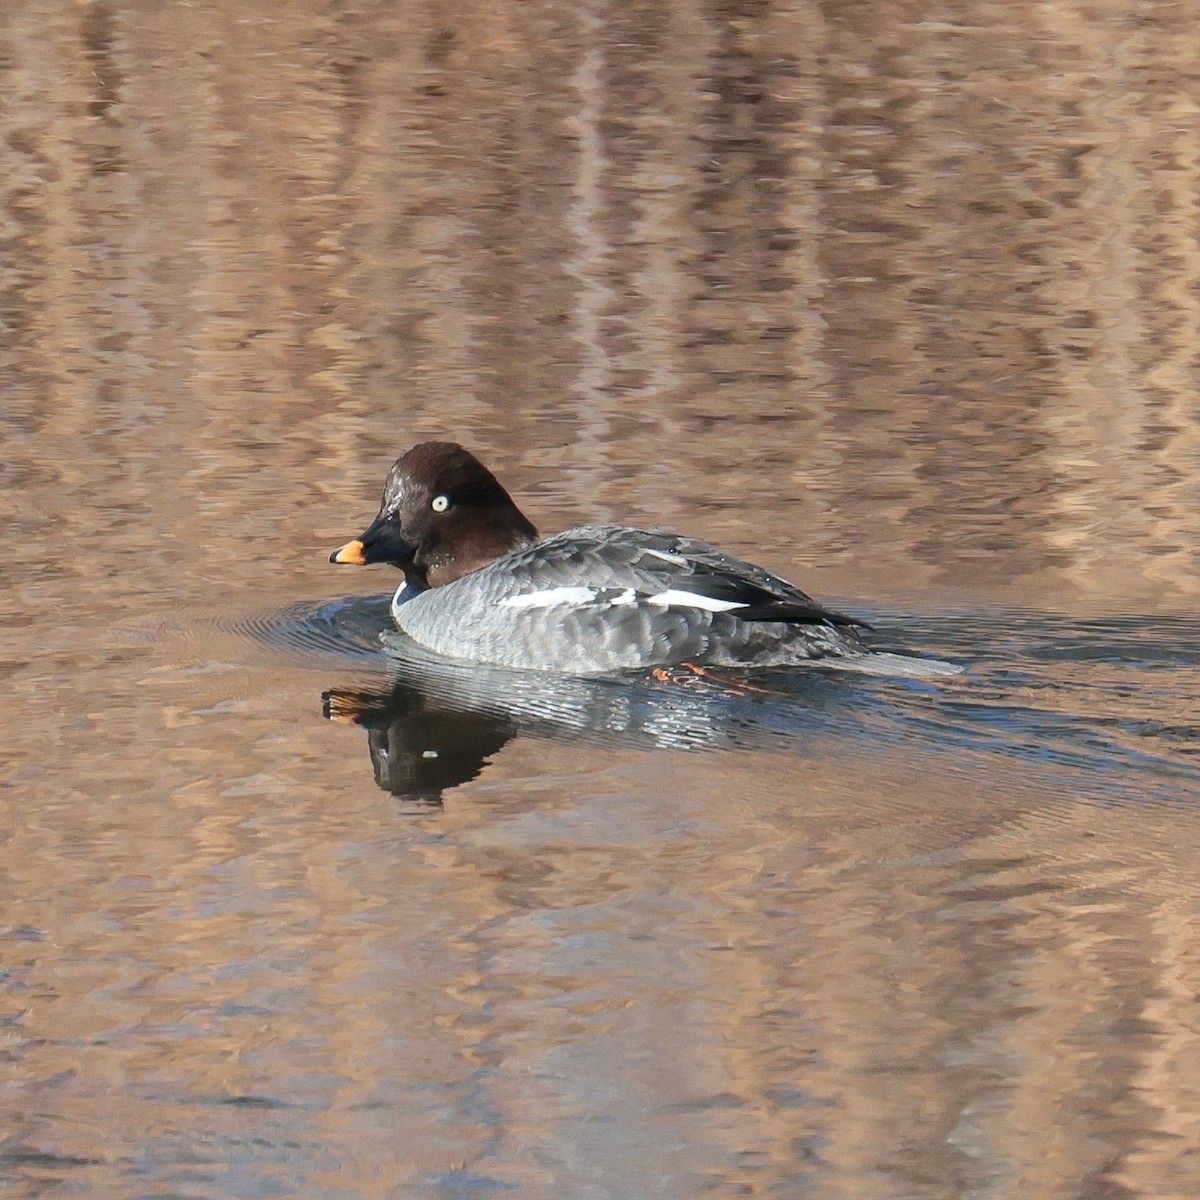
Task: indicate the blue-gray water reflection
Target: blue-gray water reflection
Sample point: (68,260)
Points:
(1099,697)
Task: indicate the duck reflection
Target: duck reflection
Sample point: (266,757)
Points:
(419,746)
(436,724)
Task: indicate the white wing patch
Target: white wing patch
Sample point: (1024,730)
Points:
(680,599)
(577,596)
(550,598)
(676,559)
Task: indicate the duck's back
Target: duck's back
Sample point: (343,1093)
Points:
(605,598)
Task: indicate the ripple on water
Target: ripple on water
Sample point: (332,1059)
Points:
(1111,700)
(345,629)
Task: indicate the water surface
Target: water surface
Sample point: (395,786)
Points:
(899,303)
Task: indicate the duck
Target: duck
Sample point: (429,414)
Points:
(481,586)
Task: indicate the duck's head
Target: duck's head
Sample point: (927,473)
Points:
(443,515)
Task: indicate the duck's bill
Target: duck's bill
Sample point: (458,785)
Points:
(380,543)
(353,553)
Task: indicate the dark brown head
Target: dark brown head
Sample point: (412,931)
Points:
(443,515)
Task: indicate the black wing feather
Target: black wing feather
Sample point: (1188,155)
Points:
(766,597)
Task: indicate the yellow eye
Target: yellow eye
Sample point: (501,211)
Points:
(440,503)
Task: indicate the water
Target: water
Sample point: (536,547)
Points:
(901,305)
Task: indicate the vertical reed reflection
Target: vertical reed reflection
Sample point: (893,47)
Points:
(902,300)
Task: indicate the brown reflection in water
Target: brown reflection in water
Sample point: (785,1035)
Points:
(920,287)
(901,301)
(1007,201)
(953,996)
(791,984)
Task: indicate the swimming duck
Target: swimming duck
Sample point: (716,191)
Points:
(480,586)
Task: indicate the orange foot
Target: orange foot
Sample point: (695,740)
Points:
(343,707)
(693,675)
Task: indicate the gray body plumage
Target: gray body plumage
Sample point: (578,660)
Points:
(605,598)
